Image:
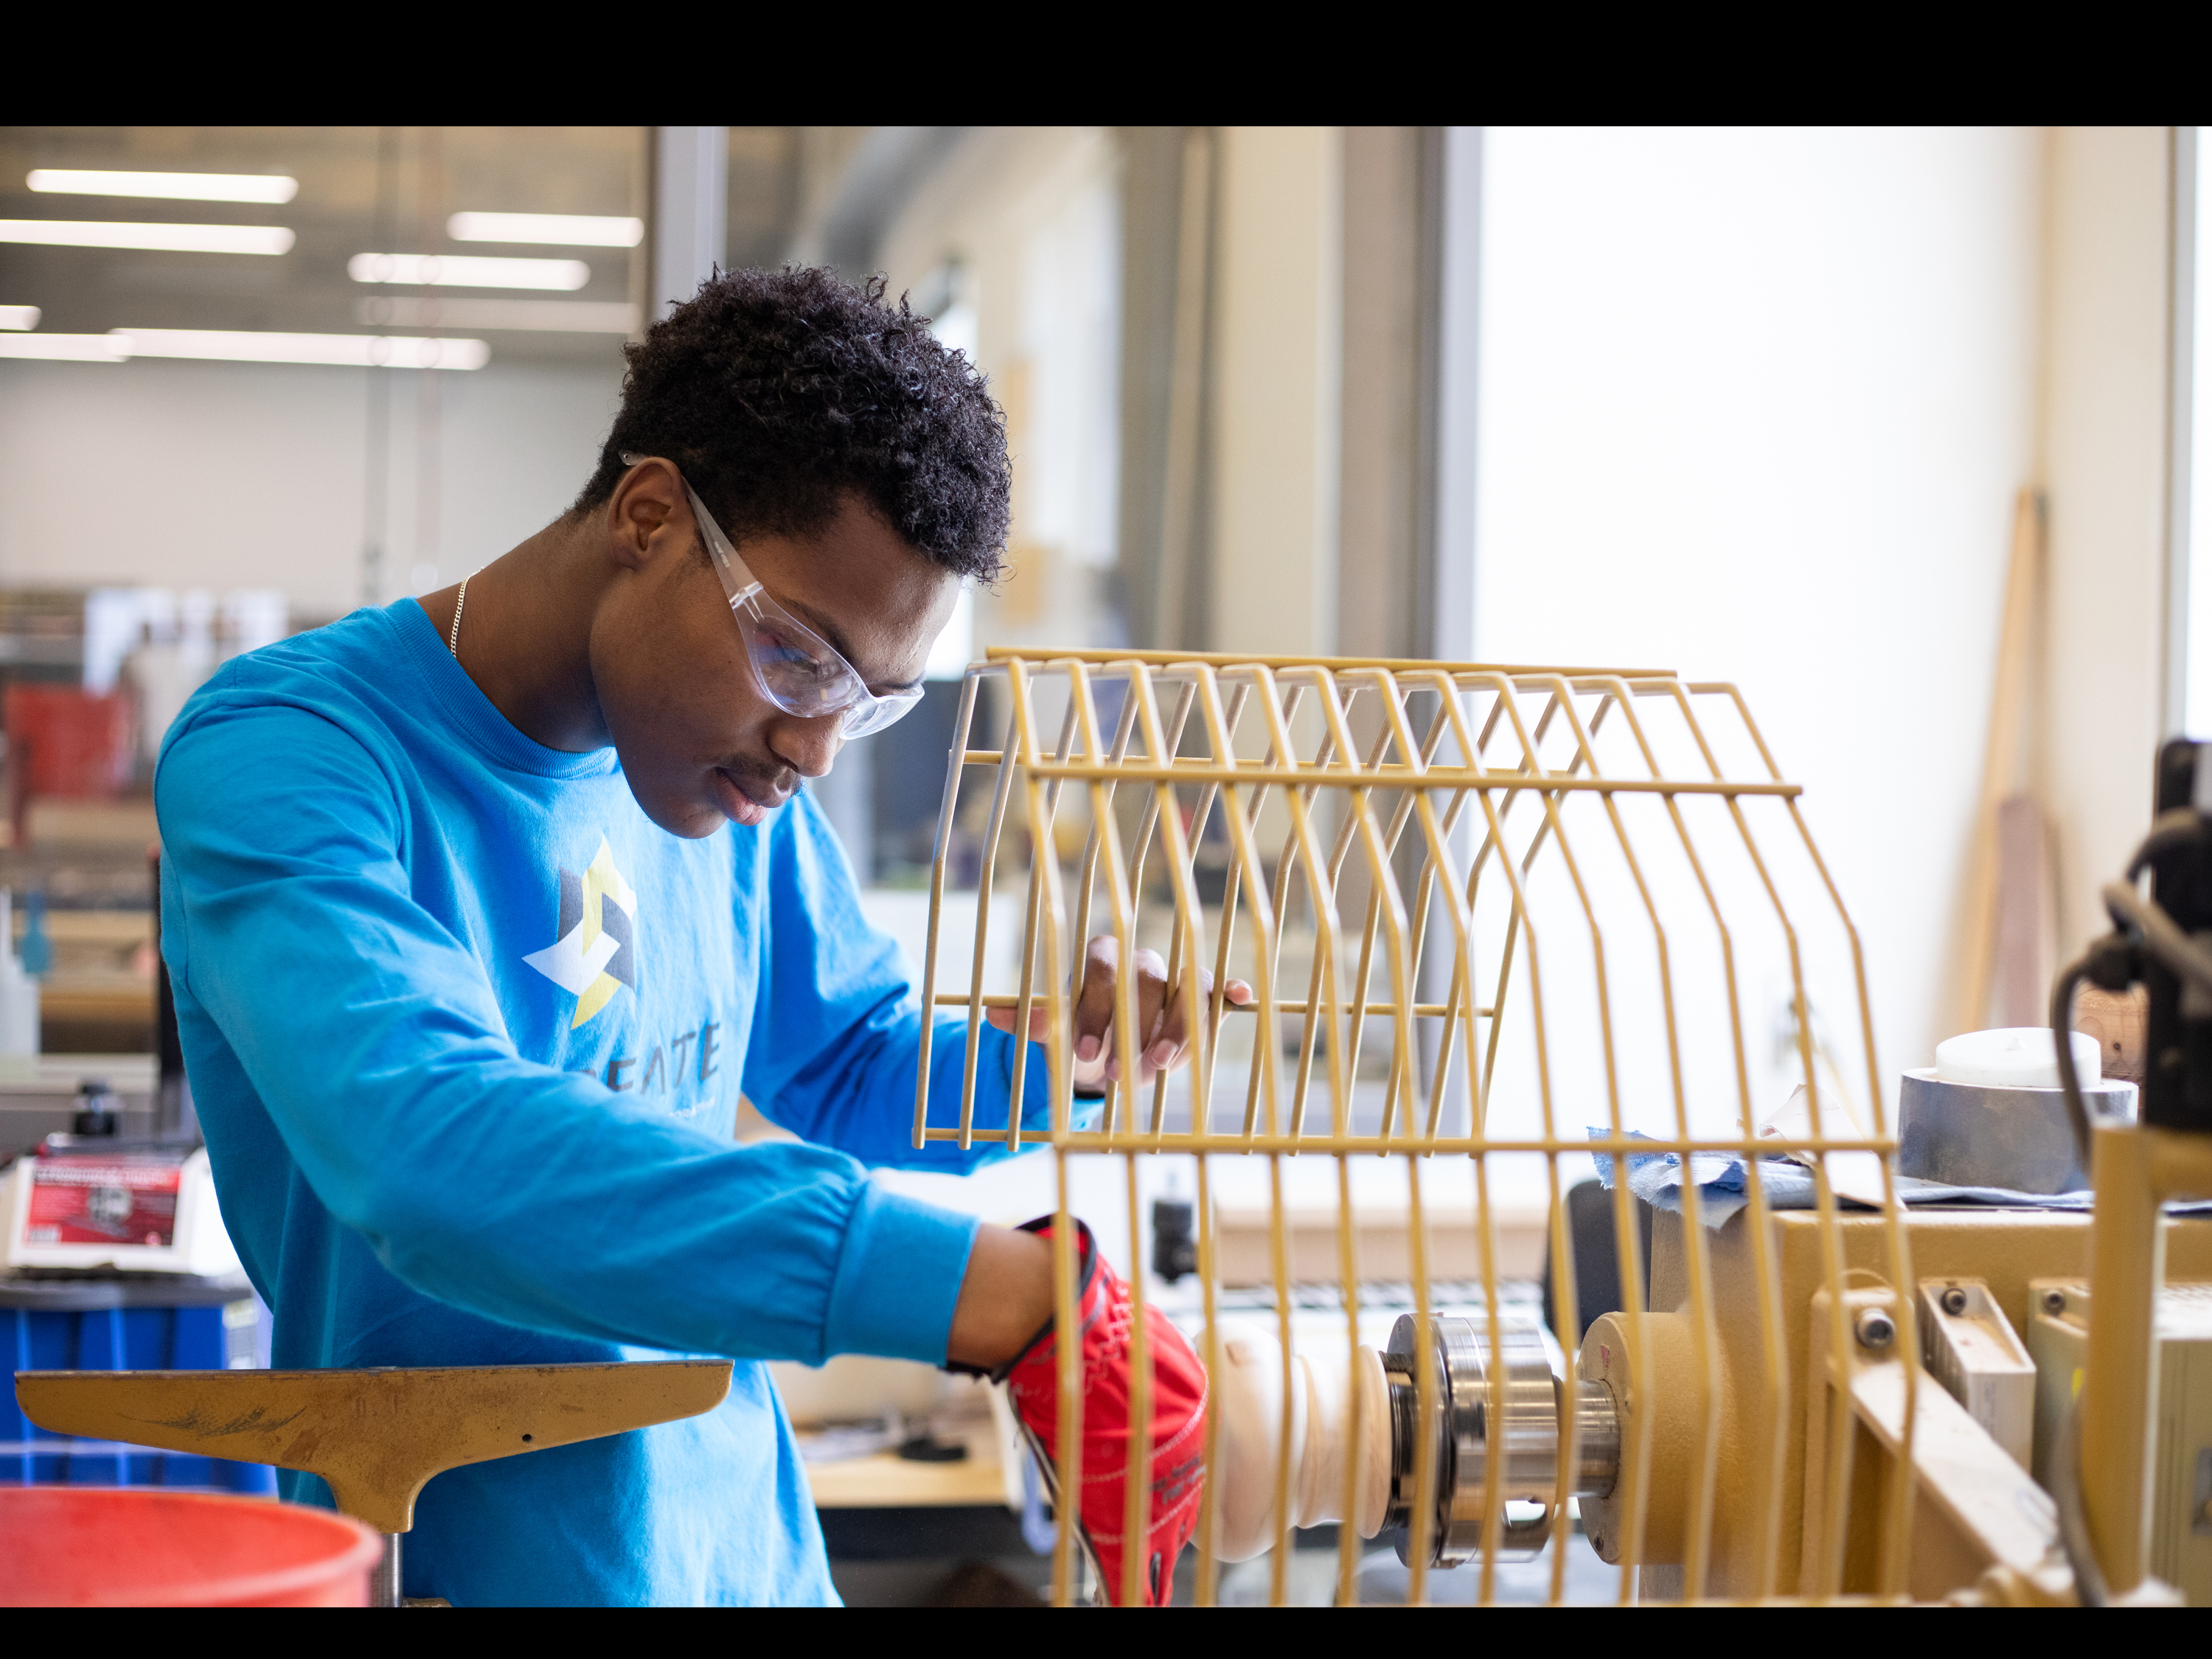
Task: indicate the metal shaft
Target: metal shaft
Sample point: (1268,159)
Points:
(384,1589)
(1597,1440)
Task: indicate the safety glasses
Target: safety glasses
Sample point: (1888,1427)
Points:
(795,668)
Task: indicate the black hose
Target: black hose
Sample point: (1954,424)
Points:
(2168,830)
(2073,1520)
(2160,934)
(2115,961)
(2062,1044)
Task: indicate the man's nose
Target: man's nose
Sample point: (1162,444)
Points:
(808,746)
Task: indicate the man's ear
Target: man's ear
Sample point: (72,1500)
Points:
(648,516)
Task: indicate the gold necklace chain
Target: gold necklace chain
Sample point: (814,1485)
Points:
(453,639)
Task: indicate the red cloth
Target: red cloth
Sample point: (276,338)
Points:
(1177,1421)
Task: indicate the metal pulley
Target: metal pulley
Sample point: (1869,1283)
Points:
(1513,1435)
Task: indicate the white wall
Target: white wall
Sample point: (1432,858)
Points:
(2105,470)
(244,475)
(1754,406)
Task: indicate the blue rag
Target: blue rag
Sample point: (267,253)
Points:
(1724,1186)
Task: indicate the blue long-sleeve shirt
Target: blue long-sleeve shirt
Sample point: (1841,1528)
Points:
(466,1032)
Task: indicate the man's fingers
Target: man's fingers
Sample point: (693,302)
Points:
(1148,973)
(1154,1048)
(1101,1041)
(1170,1044)
(1094,1009)
(1161,1034)
(1002,1019)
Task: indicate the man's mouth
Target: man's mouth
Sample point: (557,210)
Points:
(745,804)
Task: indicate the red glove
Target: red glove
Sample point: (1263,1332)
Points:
(1178,1421)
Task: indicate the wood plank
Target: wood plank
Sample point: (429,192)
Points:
(2001,760)
(886,1480)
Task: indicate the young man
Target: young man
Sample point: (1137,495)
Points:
(469,972)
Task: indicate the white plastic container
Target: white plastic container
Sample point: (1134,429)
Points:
(132,1212)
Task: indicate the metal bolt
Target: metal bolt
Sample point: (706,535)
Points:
(2054,1302)
(1876,1329)
(1954,1300)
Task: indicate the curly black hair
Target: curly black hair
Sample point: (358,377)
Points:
(780,392)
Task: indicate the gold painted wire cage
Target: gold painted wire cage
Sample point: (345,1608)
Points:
(1495,919)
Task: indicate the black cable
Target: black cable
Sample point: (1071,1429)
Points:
(2073,1520)
(2062,1044)
(2158,933)
(2114,962)
(2168,830)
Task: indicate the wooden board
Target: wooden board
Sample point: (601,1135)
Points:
(889,1481)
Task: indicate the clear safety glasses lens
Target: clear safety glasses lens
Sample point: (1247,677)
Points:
(803,674)
(879,712)
(796,669)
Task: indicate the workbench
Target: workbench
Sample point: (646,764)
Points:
(886,1480)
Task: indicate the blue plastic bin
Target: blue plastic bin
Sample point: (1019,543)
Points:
(116,1324)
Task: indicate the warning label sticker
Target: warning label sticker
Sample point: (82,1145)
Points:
(103,1202)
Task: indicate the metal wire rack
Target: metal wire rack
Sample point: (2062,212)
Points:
(1499,918)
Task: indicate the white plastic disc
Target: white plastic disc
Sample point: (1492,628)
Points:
(2017,1057)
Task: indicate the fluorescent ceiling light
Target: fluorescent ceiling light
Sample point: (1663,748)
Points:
(467,270)
(551,316)
(369,350)
(19,316)
(63,348)
(224,345)
(562,229)
(176,239)
(177,187)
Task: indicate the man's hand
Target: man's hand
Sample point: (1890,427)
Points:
(1162,1041)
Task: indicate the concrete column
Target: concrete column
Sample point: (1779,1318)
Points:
(1379,613)
(1456,215)
(1278,302)
(690,196)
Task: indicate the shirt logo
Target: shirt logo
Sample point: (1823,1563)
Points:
(597,949)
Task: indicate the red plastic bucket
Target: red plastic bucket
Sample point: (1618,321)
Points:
(125,1546)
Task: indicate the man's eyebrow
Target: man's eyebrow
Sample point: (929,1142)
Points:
(826,625)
